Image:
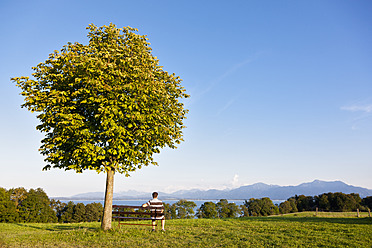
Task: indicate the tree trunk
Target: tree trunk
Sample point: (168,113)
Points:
(107,210)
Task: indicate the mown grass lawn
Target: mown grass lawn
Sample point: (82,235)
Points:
(288,231)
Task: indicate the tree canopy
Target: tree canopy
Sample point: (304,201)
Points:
(185,209)
(207,210)
(106,106)
(261,207)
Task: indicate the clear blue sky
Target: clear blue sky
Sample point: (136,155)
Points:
(281,91)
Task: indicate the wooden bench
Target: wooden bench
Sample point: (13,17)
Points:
(123,212)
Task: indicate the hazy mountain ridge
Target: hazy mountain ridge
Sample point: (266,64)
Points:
(257,190)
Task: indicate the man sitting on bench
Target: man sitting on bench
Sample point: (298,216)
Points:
(155,202)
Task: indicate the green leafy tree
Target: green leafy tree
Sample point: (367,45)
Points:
(284,207)
(244,211)
(106,106)
(367,202)
(79,212)
(343,202)
(58,207)
(356,202)
(207,210)
(288,206)
(234,210)
(253,207)
(323,202)
(268,207)
(222,208)
(36,207)
(93,211)
(167,212)
(226,209)
(68,212)
(294,208)
(305,203)
(18,195)
(170,211)
(261,207)
(185,209)
(8,210)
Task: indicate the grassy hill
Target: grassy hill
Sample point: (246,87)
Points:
(280,231)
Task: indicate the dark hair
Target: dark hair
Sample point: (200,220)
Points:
(155,194)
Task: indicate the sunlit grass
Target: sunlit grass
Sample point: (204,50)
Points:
(292,231)
(329,214)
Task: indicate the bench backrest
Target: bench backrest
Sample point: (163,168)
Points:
(118,207)
(128,212)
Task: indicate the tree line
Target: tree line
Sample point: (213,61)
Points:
(332,202)
(20,205)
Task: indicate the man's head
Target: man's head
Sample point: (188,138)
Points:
(155,195)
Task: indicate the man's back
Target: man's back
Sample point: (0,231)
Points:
(155,203)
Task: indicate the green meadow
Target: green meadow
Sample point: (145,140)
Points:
(280,231)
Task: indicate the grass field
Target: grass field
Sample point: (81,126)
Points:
(279,231)
(328,214)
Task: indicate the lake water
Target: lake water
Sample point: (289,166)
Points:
(140,202)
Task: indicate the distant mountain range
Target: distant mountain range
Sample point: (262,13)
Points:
(257,190)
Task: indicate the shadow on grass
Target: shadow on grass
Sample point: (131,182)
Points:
(57,227)
(347,221)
